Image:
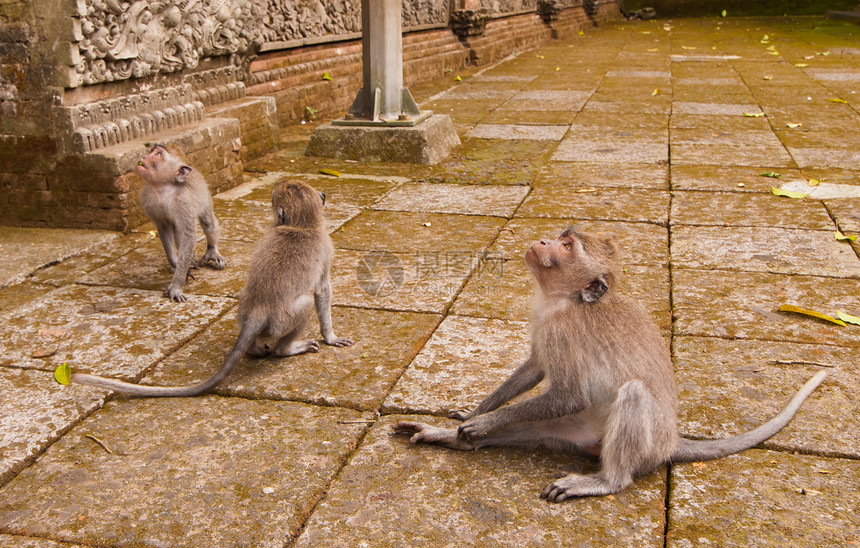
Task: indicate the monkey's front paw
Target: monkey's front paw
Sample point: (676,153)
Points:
(213,259)
(474,429)
(339,341)
(175,295)
(460,414)
(424,433)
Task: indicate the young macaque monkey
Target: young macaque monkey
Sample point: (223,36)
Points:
(291,261)
(175,197)
(611,391)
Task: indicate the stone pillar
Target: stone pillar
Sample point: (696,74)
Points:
(384,122)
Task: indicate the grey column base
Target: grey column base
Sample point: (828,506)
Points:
(429,142)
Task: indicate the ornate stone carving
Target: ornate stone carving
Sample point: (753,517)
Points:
(509,6)
(466,23)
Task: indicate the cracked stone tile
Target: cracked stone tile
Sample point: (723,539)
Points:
(27,249)
(580,176)
(729,178)
(766,157)
(610,151)
(452,198)
(847,213)
(357,376)
(258,467)
(825,157)
(632,205)
(744,306)
(34,412)
(518,132)
(18,295)
(727,387)
(421,281)
(763,249)
(464,360)
(764,498)
(747,209)
(484,497)
(146,267)
(404,232)
(104,330)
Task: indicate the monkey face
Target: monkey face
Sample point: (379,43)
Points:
(160,167)
(572,265)
(150,164)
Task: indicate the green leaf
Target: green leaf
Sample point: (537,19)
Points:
(753,114)
(63,374)
(847,318)
(771,174)
(723,13)
(332,172)
(326,76)
(812,313)
(787,193)
(843,238)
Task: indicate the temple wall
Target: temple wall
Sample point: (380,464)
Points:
(87,85)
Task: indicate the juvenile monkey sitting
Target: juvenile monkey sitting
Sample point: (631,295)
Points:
(611,391)
(176,197)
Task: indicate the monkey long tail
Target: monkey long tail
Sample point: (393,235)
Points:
(250,331)
(699,450)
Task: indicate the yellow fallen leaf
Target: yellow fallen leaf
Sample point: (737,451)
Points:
(847,318)
(63,374)
(655,92)
(771,48)
(427,223)
(765,38)
(581,32)
(326,76)
(814,182)
(153,233)
(646,32)
(838,100)
(753,114)
(844,237)
(801,65)
(332,172)
(723,13)
(771,174)
(767,77)
(787,193)
(792,126)
(557,69)
(824,53)
(653,49)
(541,56)
(688,47)
(458,79)
(773,53)
(812,313)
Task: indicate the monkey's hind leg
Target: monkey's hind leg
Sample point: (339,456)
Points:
(631,443)
(287,345)
(210,228)
(424,433)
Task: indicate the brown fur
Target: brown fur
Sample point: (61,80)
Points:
(176,197)
(611,389)
(290,263)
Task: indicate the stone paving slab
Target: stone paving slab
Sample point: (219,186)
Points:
(706,154)
(764,249)
(583,175)
(105,330)
(747,209)
(26,249)
(847,213)
(452,198)
(631,205)
(34,412)
(748,302)
(726,387)
(491,161)
(357,376)
(730,178)
(445,497)
(765,498)
(518,132)
(528,117)
(222,470)
(13,541)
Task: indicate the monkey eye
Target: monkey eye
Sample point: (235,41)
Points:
(568,246)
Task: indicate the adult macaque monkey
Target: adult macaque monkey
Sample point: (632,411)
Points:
(175,197)
(291,261)
(611,389)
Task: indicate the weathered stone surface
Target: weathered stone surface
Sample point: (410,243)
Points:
(764,249)
(765,157)
(460,199)
(726,387)
(730,178)
(581,176)
(259,467)
(392,493)
(634,205)
(744,306)
(747,209)
(518,132)
(13,541)
(357,376)
(27,249)
(765,498)
(34,412)
(491,161)
(611,145)
(847,213)
(104,330)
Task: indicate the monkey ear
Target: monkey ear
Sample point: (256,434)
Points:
(608,245)
(595,290)
(283,218)
(322,197)
(182,174)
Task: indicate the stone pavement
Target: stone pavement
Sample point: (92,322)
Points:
(657,132)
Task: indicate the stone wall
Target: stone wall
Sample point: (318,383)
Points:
(87,85)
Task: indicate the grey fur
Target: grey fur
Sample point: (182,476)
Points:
(176,197)
(288,264)
(611,390)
